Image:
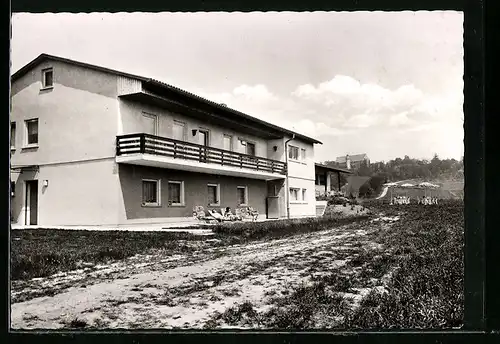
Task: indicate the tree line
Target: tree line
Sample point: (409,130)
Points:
(402,169)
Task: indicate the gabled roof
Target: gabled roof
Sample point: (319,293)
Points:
(42,57)
(353,158)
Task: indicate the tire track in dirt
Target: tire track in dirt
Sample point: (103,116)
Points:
(183,292)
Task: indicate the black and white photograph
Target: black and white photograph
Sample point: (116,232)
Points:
(230,170)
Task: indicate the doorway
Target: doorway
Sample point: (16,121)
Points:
(31,206)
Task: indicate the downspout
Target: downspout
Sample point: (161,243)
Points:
(287,189)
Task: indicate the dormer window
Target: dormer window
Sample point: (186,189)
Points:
(47,78)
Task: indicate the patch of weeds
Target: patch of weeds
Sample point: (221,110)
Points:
(165,300)
(231,292)
(300,309)
(43,252)
(76,323)
(30,317)
(217,280)
(242,314)
(336,281)
(214,298)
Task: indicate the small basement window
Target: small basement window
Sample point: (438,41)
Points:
(47,78)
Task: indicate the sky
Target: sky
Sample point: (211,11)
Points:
(387,84)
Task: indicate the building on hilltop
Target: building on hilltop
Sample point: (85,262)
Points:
(352,162)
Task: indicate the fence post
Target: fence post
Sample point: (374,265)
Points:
(142,144)
(118,152)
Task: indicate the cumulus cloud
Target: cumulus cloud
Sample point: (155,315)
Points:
(343,110)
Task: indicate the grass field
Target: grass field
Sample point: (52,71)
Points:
(399,267)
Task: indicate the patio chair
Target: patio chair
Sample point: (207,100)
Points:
(217,216)
(228,215)
(253,213)
(200,214)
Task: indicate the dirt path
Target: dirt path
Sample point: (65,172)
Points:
(184,291)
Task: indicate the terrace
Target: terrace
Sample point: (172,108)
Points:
(150,150)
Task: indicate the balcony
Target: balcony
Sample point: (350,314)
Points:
(149,150)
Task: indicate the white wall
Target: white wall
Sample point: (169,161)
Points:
(301,174)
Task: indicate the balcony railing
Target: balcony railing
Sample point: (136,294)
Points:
(150,144)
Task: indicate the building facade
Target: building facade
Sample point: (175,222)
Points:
(94,146)
(352,162)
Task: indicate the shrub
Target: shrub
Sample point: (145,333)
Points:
(279,228)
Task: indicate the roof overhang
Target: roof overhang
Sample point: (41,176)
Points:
(319,167)
(21,168)
(180,95)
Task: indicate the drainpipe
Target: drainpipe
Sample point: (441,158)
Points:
(287,191)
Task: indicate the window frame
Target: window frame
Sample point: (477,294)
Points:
(254,148)
(26,133)
(181,195)
(184,130)
(290,147)
(230,142)
(13,125)
(297,200)
(44,78)
(303,154)
(217,194)
(244,187)
(158,193)
(155,117)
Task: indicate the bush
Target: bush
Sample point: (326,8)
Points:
(279,228)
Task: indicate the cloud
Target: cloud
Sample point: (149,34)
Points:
(345,114)
(257,92)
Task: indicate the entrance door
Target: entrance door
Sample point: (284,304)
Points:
(31,202)
(203,140)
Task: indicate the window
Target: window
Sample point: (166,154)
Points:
(175,193)
(293,152)
(203,137)
(294,194)
(12,188)
(12,135)
(304,195)
(150,192)
(150,123)
(32,132)
(228,142)
(242,195)
(250,149)
(47,78)
(303,153)
(179,131)
(213,194)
